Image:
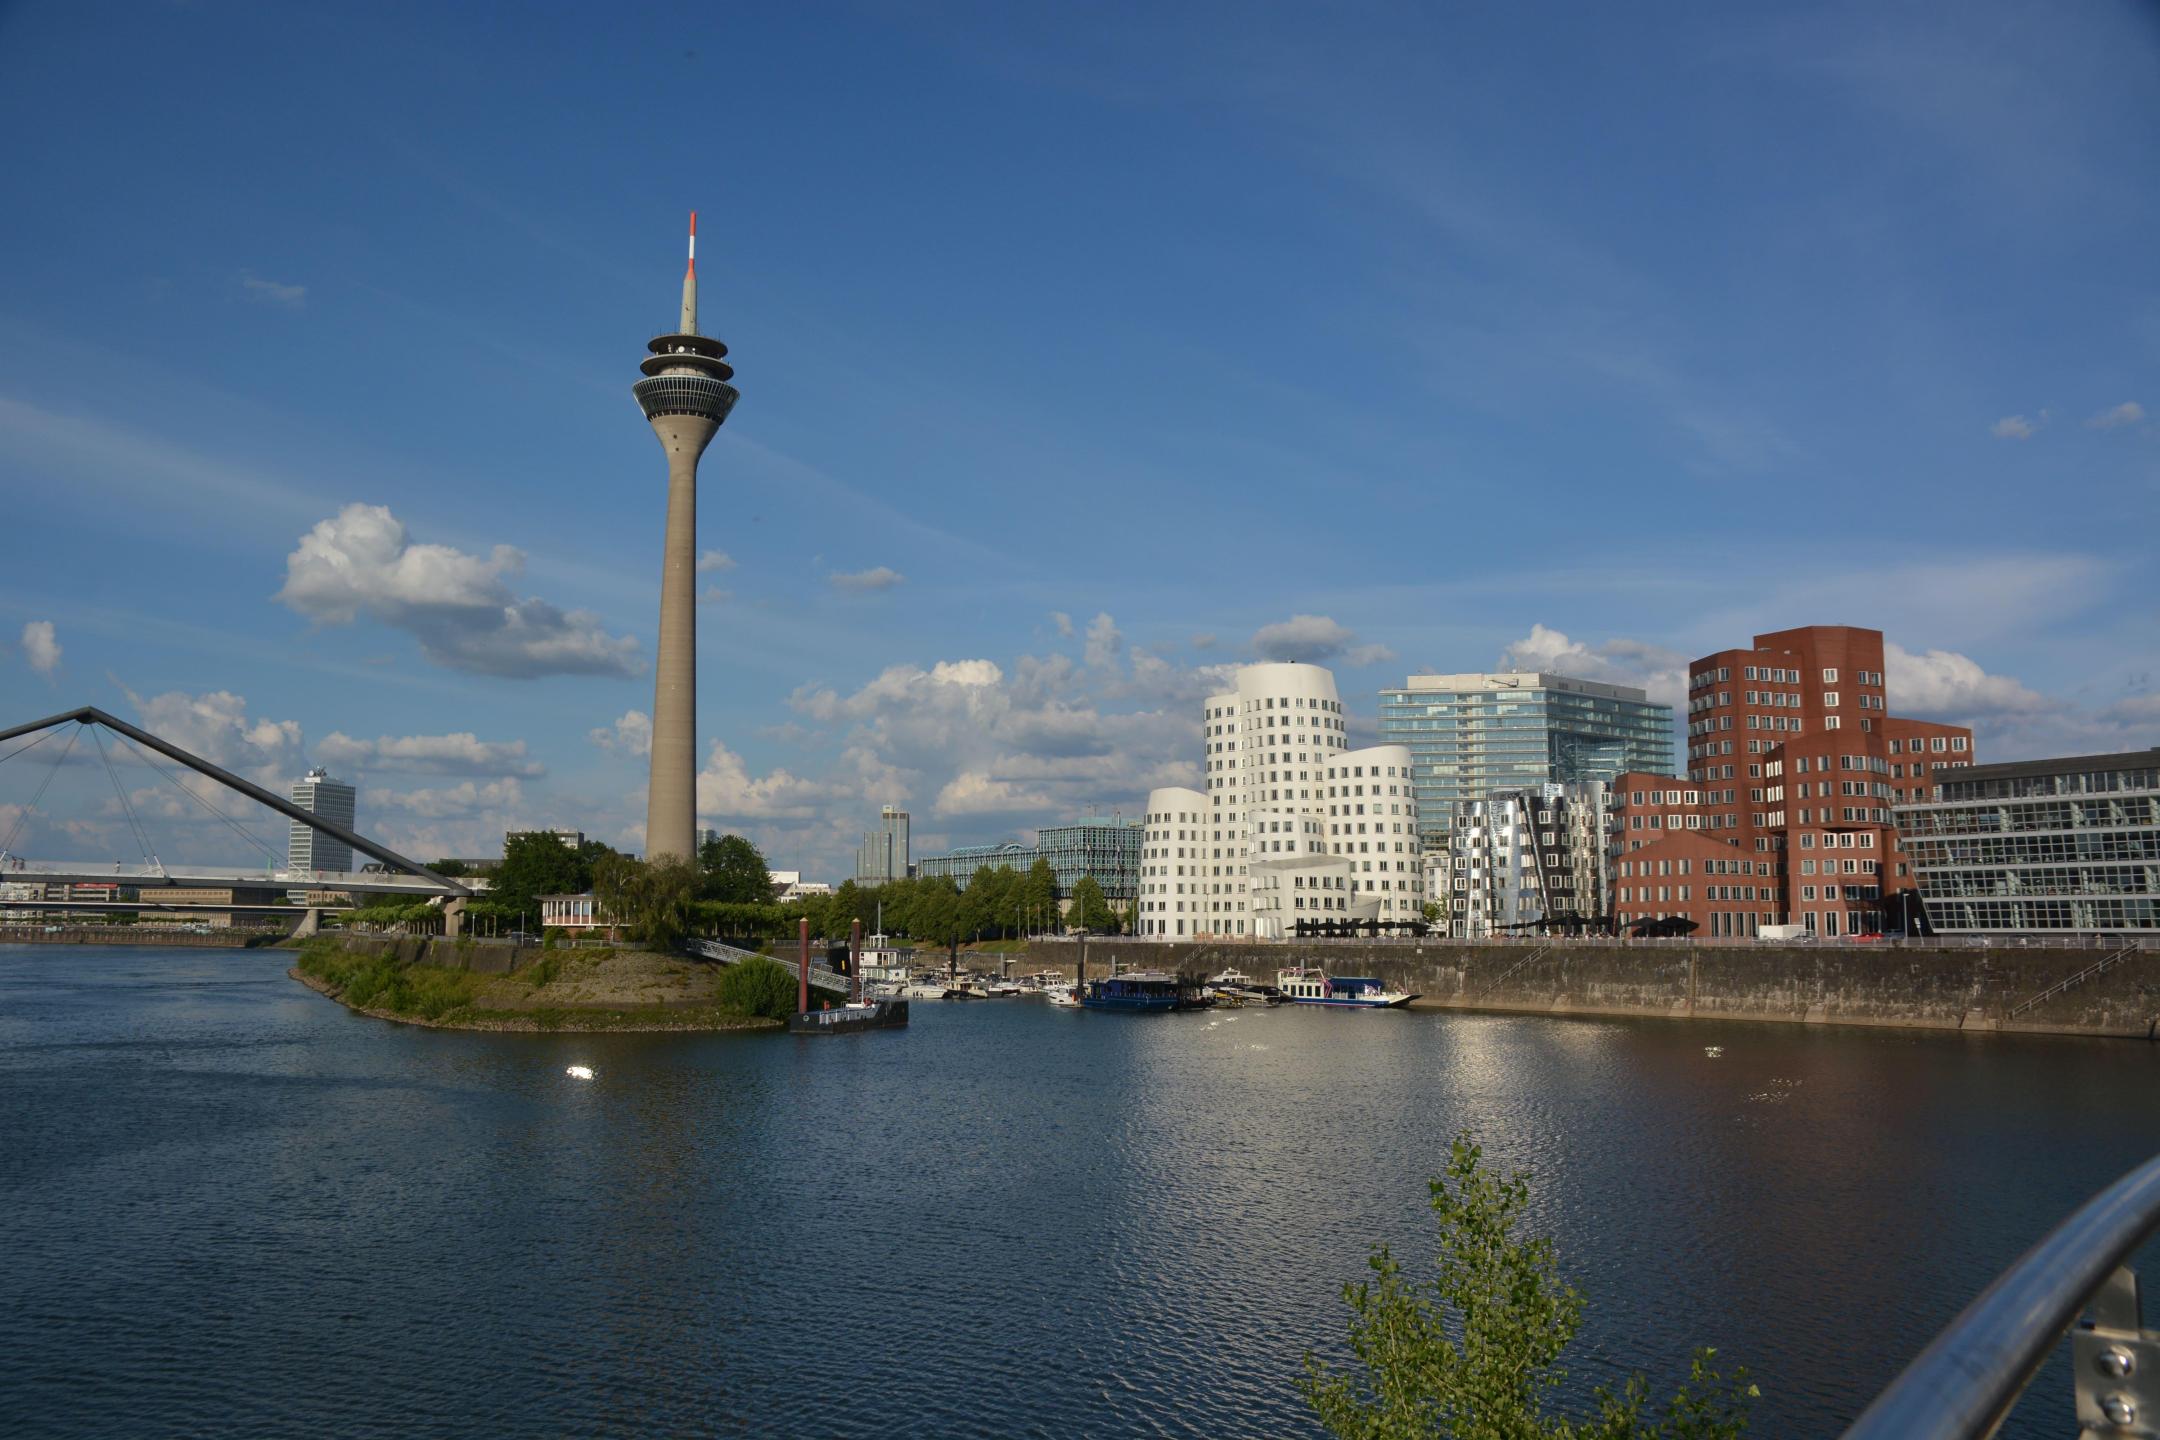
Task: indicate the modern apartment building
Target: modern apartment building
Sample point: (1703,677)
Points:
(1473,736)
(2041,847)
(1524,858)
(883,854)
(307,849)
(1785,817)
(1292,825)
(1108,849)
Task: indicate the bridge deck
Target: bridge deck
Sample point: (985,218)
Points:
(820,977)
(221,877)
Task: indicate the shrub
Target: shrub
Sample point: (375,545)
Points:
(759,987)
(1473,1353)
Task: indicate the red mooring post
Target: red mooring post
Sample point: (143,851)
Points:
(802,971)
(854,962)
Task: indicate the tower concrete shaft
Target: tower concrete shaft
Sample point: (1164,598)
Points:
(686,398)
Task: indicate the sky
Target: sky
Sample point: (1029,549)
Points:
(1084,352)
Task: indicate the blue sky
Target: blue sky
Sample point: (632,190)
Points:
(1081,352)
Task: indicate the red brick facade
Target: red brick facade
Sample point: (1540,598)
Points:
(1794,763)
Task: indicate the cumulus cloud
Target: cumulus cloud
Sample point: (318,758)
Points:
(1653,668)
(1063,622)
(629,735)
(460,607)
(1203,642)
(714,595)
(1943,685)
(713,561)
(2127,413)
(463,753)
(272,292)
(216,726)
(2012,427)
(1104,641)
(879,578)
(40,647)
(726,790)
(448,802)
(1315,639)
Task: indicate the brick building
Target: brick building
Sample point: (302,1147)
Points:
(1794,763)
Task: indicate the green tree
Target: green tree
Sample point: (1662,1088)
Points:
(732,870)
(1473,1353)
(651,900)
(934,914)
(1039,896)
(1090,911)
(535,865)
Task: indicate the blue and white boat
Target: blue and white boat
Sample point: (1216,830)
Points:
(1310,985)
(1142,990)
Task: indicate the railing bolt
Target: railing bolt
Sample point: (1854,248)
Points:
(2116,1363)
(2119,1409)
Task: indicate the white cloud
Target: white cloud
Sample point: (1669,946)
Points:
(1104,641)
(462,753)
(880,578)
(216,727)
(1203,642)
(2012,427)
(40,648)
(1654,668)
(629,735)
(271,292)
(1315,639)
(1063,622)
(726,790)
(713,561)
(1943,685)
(714,595)
(449,802)
(460,607)
(2127,413)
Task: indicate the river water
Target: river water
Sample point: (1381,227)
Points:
(231,1207)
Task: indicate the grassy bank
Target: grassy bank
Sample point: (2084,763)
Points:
(561,990)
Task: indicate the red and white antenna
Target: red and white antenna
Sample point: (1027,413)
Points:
(689,284)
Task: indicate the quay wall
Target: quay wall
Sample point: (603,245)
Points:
(226,939)
(1939,988)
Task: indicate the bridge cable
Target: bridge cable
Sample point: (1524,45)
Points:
(8,844)
(142,841)
(231,824)
(41,739)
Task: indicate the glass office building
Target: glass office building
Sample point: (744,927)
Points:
(1109,850)
(2040,847)
(1472,736)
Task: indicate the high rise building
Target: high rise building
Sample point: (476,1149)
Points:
(686,398)
(2041,847)
(1293,825)
(308,849)
(1794,763)
(883,854)
(1474,736)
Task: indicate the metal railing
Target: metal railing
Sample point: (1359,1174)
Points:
(820,977)
(1964,1385)
(2073,981)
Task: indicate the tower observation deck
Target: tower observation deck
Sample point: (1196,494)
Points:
(686,397)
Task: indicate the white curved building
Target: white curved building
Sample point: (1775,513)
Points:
(1293,824)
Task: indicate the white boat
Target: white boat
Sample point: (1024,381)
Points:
(924,987)
(1062,996)
(1310,985)
(1002,989)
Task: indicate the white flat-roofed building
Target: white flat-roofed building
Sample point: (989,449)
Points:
(1291,823)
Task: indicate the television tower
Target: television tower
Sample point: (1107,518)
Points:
(685,396)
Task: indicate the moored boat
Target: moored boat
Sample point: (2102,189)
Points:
(1150,990)
(1310,985)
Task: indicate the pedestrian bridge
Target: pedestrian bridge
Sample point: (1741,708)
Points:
(820,977)
(147,878)
(390,874)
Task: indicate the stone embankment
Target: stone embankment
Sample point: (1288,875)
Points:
(1961,987)
(216,939)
